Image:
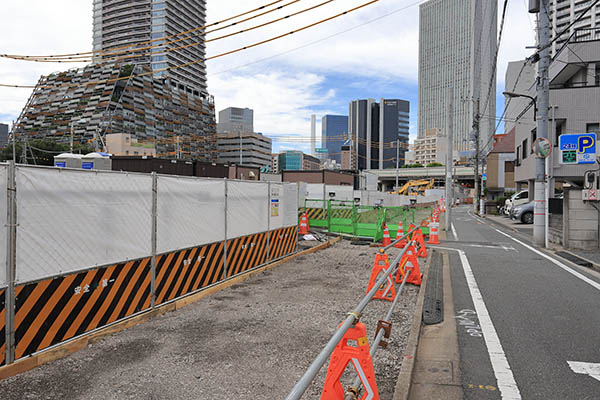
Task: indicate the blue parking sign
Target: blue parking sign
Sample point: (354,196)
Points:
(578,148)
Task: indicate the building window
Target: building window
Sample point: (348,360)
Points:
(592,128)
(509,166)
(524,149)
(558,131)
(518,155)
(533,138)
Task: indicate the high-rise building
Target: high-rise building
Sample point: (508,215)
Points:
(334,129)
(127,25)
(564,12)
(3,135)
(91,102)
(233,119)
(375,129)
(293,160)
(244,148)
(457,46)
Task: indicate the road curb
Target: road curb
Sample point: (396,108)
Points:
(402,389)
(67,348)
(594,266)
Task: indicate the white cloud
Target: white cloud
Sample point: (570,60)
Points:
(284,90)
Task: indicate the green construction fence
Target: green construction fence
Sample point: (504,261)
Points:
(345,217)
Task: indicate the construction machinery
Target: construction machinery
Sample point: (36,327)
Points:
(416,187)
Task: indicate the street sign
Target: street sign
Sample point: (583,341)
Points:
(577,148)
(590,194)
(322,150)
(484,177)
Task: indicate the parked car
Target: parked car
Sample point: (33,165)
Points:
(523,213)
(516,199)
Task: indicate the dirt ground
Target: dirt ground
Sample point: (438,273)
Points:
(251,341)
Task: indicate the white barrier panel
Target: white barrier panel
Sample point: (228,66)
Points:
(276,209)
(342,193)
(190,212)
(73,220)
(290,212)
(247,205)
(314,191)
(3,222)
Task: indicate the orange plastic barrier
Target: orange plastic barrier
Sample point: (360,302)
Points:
(386,291)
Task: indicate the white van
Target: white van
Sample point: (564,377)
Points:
(516,199)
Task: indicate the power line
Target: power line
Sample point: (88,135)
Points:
(208,58)
(162,38)
(163,51)
(579,17)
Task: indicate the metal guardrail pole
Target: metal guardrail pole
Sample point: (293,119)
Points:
(153,239)
(357,384)
(401,238)
(225,241)
(11,262)
(306,379)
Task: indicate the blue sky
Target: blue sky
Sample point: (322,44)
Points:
(319,70)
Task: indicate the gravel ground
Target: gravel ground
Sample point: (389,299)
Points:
(251,341)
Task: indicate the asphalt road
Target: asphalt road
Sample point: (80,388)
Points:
(520,317)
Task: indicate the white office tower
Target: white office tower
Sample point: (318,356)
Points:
(457,45)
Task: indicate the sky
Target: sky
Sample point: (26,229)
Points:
(369,53)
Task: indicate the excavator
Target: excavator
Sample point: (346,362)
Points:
(416,187)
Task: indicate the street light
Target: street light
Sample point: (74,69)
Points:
(533,101)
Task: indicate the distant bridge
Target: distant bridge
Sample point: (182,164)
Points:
(387,177)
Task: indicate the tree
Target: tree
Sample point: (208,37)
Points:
(43,151)
(434,164)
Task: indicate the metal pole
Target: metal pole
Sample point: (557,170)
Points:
(11,262)
(375,345)
(71,142)
(397,162)
(449,157)
(153,239)
(269,223)
(225,242)
(240,147)
(543,100)
(476,134)
(301,386)
(549,167)
(14,142)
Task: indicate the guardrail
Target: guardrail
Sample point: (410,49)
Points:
(352,318)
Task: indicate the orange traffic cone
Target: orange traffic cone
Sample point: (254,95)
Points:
(407,263)
(387,291)
(386,236)
(361,360)
(413,271)
(304,228)
(399,234)
(421,249)
(433,235)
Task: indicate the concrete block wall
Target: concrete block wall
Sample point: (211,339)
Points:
(580,222)
(555,229)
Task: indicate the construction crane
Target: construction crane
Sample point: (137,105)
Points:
(416,187)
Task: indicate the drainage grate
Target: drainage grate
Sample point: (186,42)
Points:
(433,304)
(574,259)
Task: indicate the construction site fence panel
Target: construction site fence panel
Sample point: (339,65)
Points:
(190,212)
(70,220)
(3,225)
(93,248)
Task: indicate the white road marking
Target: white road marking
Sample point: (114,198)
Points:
(485,246)
(474,216)
(591,369)
(556,262)
(454,231)
(504,376)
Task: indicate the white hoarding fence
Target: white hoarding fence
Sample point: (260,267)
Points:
(246,208)
(190,212)
(290,210)
(276,207)
(73,220)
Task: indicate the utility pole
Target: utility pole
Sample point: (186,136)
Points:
(71,143)
(449,158)
(477,150)
(14,140)
(543,102)
(397,162)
